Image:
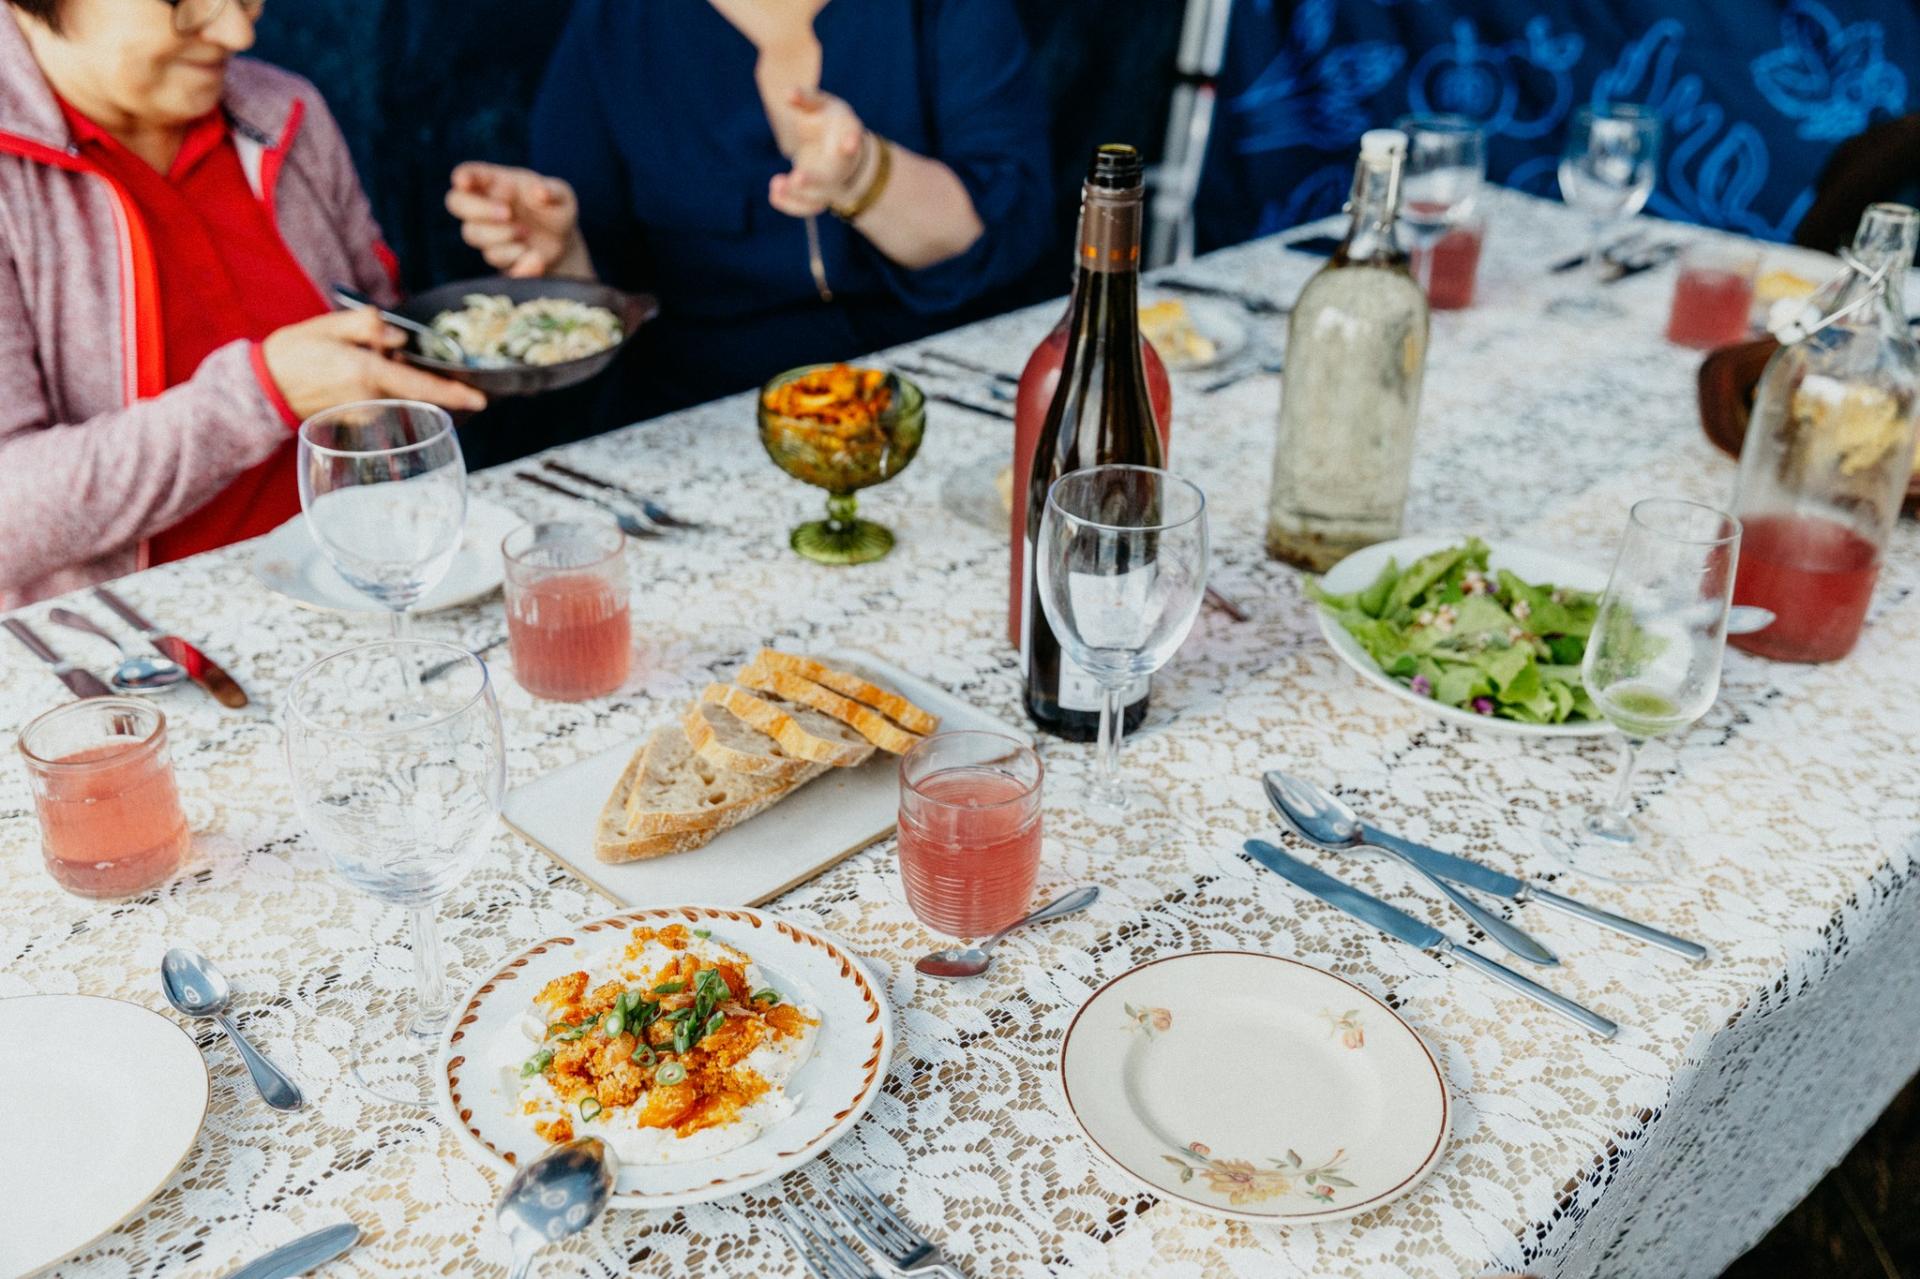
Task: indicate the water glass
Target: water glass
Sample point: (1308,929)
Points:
(1607,173)
(969,831)
(568,623)
(1652,666)
(110,819)
(1121,567)
(1713,294)
(399,782)
(383,485)
(1446,167)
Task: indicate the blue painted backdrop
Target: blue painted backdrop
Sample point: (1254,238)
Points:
(1755,94)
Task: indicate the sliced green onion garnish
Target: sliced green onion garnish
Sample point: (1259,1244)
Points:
(643,1056)
(771,995)
(536,1063)
(680,1014)
(703,933)
(669,988)
(589,1107)
(671,1073)
(615,1023)
(713,1024)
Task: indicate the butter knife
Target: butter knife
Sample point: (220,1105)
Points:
(305,1253)
(201,669)
(1401,926)
(1488,880)
(83,683)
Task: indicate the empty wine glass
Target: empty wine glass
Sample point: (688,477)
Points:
(384,488)
(1445,168)
(1607,173)
(1652,666)
(1122,566)
(399,782)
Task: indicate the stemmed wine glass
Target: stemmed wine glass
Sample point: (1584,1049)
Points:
(1607,172)
(384,488)
(399,783)
(1122,566)
(1446,166)
(1653,665)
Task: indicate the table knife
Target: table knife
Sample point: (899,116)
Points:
(201,669)
(83,683)
(1488,880)
(306,1253)
(1397,924)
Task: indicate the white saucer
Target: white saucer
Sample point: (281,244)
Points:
(83,1147)
(287,561)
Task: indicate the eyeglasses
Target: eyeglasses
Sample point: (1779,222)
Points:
(190,17)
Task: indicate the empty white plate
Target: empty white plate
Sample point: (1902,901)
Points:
(288,561)
(1254,1087)
(80,1155)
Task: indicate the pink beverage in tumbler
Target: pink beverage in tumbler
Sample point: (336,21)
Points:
(110,819)
(969,831)
(568,621)
(1454,263)
(1712,297)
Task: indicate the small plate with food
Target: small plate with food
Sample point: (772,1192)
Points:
(712,1048)
(749,788)
(1191,333)
(524,337)
(1488,635)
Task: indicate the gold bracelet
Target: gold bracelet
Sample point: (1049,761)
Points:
(875,189)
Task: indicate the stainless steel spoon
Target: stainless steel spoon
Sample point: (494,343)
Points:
(1323,821)
(196,988)
(558,1194)
(433,343)
(137,672)
(971,961)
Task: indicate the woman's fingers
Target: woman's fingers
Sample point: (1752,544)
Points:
(485,235)
(503,256)
(529,264)
(475,206)
(783,196)
(392,379)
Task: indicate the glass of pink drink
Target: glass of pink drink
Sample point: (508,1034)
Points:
(568,623)
(1712,295)
(969,831)
(110,819)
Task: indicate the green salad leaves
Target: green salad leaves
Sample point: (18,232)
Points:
(1451,629)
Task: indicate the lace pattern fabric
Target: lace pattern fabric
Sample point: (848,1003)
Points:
(1732,1087)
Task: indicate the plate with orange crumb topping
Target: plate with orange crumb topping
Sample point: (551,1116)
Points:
(712,1048)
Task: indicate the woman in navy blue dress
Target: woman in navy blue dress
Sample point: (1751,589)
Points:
(796,180)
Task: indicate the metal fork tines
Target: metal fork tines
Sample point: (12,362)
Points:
(629,524)
(651,509)
(882,1229)
(825,1254)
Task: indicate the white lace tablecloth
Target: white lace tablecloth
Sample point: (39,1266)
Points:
(1734,1086)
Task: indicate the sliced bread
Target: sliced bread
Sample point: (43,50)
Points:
(888,703)
(799,731)
(727,741)
(872,725)
(613,843)
(676,790)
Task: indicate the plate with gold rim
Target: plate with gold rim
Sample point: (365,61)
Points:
(70,1171)
(482,1088)
(1254,1087)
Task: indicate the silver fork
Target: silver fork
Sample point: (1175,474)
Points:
(825,1254)
(651,509)
(905,1250)
(629,523)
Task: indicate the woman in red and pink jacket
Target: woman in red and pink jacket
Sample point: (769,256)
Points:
(169,218)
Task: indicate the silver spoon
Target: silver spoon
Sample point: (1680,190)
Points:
(433,342)
(138,672)
(1323,821)
(558,1194)
(971,961)
(196,988)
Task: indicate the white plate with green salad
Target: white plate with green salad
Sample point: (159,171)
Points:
(1488,635)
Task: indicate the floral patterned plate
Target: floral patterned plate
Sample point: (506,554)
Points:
(1254,1087)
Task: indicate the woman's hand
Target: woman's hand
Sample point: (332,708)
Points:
(341,357)
(523,223)
(829,151)
(772,24)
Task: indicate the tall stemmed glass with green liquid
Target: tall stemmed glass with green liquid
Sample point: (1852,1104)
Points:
(1653,666)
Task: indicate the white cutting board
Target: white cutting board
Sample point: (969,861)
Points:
(825,821)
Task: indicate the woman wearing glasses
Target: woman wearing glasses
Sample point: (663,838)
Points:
(170,216)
